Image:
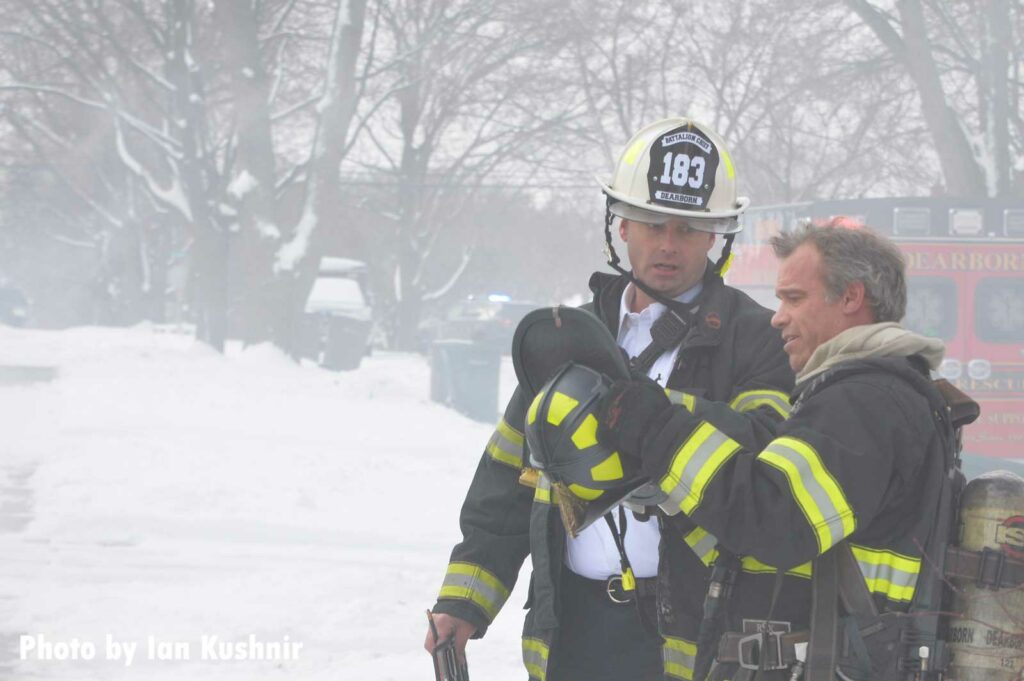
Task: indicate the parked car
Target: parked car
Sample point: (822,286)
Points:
(13,306)
(337,315)
(488,320)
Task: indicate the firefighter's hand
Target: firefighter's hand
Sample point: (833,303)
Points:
(626,412)
(448,626)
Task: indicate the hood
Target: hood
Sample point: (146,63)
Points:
(887,339)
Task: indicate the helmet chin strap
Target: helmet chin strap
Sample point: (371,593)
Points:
(681,310)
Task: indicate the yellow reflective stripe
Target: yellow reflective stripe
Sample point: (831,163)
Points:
(703,544)
(679,397)
(751,564)
(543,493)
(679,656)
(695,464)
(752,399)
(469,582)
(816,492)
(888,573)
(506,445)
(510,433)
(535,657)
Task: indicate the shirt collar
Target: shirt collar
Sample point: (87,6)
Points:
(654,310)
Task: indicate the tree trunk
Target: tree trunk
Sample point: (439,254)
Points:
(336,109)
(411,179)
(261,298)
(997,64)
(409,295)
(154,250)
(195,174)
(963,174)
(407,319)
(209,287)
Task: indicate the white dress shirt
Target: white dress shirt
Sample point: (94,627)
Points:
(593,554)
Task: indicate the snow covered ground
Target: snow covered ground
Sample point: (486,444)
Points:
(156,489)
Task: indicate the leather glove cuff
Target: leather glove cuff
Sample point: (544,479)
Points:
(626,412)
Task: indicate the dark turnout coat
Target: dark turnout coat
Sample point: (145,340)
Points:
(860,459)
(731,355)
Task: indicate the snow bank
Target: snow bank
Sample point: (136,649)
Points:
(156,488)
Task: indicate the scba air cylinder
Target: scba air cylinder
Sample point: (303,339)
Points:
(986,633)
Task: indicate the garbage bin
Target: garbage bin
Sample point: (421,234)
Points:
(335,342)
(336,325)
(346,342)
(464,375)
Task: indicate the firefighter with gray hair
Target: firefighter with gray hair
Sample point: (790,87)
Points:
(834,523)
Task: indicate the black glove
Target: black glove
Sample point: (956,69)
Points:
(627,411)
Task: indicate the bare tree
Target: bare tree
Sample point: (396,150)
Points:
(805,114)
(269,258)
(458,103)
(190,95)
(966,68)
(255,136)
(336,105)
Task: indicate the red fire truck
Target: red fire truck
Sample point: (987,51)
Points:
(966,286)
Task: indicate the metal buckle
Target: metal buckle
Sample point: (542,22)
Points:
(616,593)
(750,652)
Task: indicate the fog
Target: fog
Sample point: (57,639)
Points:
(332,181)
(192,161)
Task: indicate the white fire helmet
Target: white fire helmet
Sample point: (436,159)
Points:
(677,167)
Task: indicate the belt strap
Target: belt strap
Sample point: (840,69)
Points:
(988,568)
(732,648)
(613,588)
(645,586)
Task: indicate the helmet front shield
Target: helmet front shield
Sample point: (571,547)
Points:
(678,167)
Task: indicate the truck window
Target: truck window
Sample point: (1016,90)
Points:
(999,310)
(932,307)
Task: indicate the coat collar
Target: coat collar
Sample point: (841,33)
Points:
(711,318)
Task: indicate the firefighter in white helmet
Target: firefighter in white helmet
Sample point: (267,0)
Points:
(591,600)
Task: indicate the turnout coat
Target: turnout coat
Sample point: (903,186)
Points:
(730,355)
(861,459)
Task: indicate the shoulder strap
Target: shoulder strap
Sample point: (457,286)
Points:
(837,579)
(823,647)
